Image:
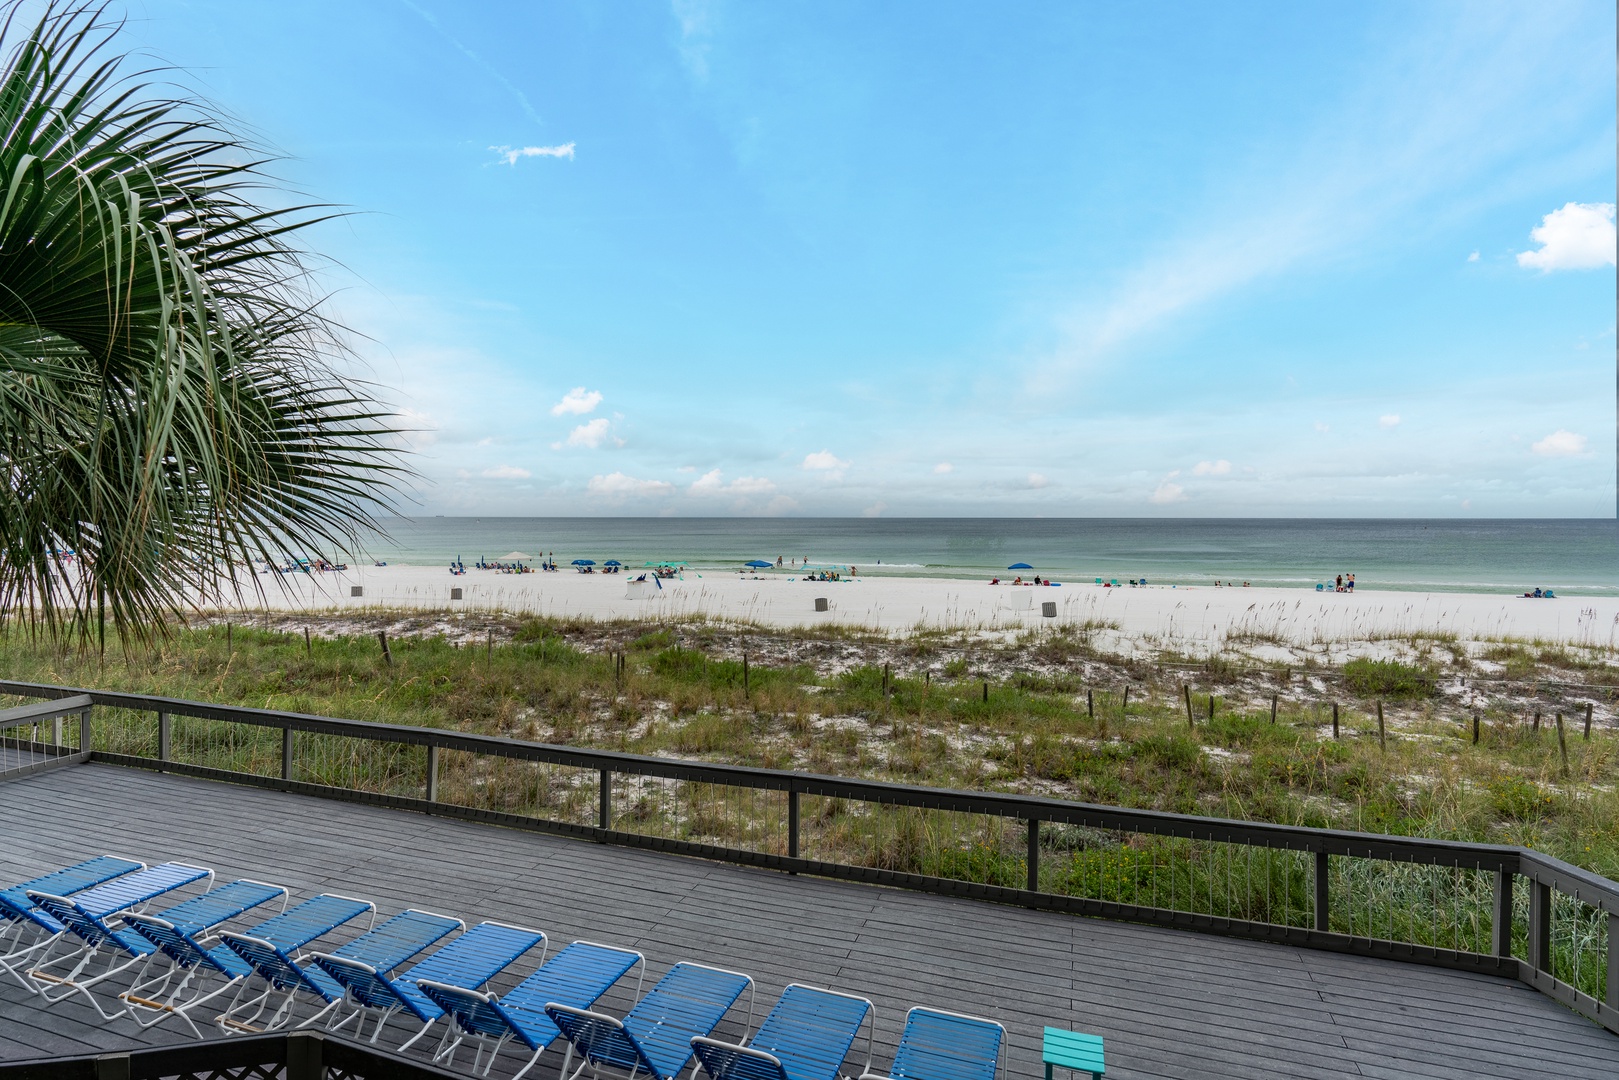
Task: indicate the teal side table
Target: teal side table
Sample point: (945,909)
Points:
(1072,1050)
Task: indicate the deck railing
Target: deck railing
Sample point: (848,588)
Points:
(1481,907)
(296,1055)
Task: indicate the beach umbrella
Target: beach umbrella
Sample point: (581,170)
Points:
(612,562)
(516,556)
(1020,566)
(758,563)
(584,562)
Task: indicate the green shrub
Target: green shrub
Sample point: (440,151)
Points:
(1519,799)
(1388,679)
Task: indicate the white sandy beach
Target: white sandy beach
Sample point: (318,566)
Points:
(1197,618)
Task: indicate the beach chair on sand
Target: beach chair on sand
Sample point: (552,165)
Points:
(124,948)
(177,991)
(25,929)
(939,1045)
(576,977)
(806,1037)
(471,960)
(85,917)
(382,948)
(654,1038)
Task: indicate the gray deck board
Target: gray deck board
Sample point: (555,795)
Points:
(1169,1003)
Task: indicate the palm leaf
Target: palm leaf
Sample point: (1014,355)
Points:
(170,407)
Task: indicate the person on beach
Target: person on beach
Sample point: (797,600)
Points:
(1339,584)
(778,562)
(1351,583)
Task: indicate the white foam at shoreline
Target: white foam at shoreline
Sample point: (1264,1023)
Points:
(1201,616)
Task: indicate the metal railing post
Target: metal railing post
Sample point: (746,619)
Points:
(604,808)
(1540,925)
(286,753)
(1613,961)
(84,731)
(1323,900)
(56,731)
(165,743)
(792,823)
(1501,923)
(432,773)
(1034,854)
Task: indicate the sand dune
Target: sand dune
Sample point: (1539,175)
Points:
(1197,617)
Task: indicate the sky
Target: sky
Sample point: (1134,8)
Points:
(1076,259)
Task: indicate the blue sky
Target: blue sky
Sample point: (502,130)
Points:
(906,258)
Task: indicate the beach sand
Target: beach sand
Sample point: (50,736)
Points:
(1192,619)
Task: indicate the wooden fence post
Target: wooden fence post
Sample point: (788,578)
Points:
(1090,704)
(986,692)
(1588,733)
(1125,707)
(1186,691)
(1382,735)
(1273,707)
(387,654)
(1475,729)
(1211,706)
(1334,719)
(1562,745)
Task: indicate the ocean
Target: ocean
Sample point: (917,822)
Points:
(1577,557)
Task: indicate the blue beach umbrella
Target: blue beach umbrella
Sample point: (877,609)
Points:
(759,564)
(584,562)
(1020,566)
(612,562)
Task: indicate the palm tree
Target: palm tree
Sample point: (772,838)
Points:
(170,404)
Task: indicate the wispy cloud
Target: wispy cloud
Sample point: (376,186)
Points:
(1212,468)
(506,472)
(712,483)
(1389,420)
(1036,481)
(511,155)
(824,461)
(943,468)
(577,402)
(1580,236)
(1560,443)
(1167,492)
(696,19)
(620,485)
(485,66)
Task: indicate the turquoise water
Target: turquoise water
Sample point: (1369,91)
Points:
(1579,557)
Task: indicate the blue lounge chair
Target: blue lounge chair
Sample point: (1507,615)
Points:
(806,1037)
(85,916)
(938,1045)
(124,948)
(382,948)
(654,1038)
(27,929)
(191,957)
(471,960)
(577,976)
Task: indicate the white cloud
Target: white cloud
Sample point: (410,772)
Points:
(509,155)
(713,483)
(1580,236)
(1167,492)
(592,434)
(943,467)
(1038,480)
(874,510)
(1322,426)
(506,472)
(618,484)
(1473,257)
(577,402)
(824,461)
(1560,443)
(1212,468)
(1388,420)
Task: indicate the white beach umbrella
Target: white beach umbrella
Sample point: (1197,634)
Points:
(516,556)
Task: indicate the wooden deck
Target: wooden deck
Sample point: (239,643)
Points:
(1169,1003)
